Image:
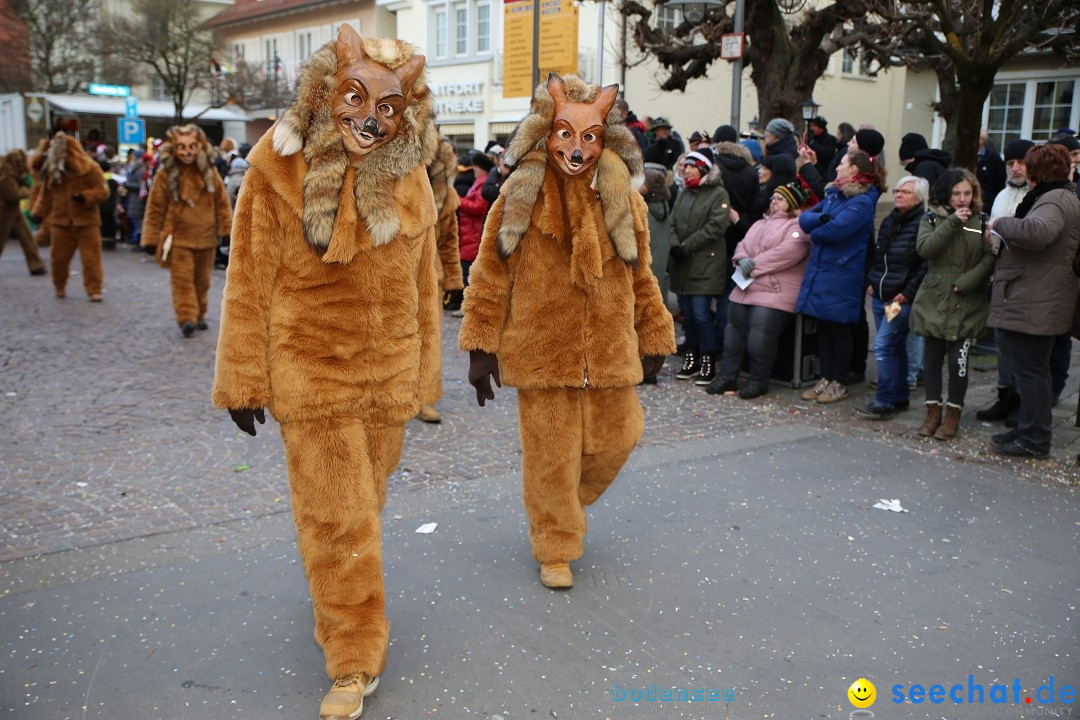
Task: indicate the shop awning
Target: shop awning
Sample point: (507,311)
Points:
(102,105)
(458,129)
(502,128)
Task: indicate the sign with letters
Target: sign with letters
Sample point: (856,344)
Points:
(131,131)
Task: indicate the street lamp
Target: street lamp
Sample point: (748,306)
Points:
(809,112)
(694,11)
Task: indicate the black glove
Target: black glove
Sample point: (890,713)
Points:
(678,252)
(245,418)
(483,367)
(825,218)
(77,197)
(225,240)
(652,364)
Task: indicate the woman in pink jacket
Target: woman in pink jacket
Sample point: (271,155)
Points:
(773,256)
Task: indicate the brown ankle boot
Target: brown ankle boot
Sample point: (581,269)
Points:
(933,419)
(951,424)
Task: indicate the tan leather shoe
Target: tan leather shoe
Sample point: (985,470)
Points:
(429,414)
(345,700)
(556,575)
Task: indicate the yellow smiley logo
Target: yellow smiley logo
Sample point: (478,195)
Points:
(862,693)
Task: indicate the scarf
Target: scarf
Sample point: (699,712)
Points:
(1035,193)
(860,179)
(692,183)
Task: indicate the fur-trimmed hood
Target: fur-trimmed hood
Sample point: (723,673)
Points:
(713,177)
(65,156)
(169,165)
(442,171)
(737,150)
(308,126)
(849,189)
(620,170)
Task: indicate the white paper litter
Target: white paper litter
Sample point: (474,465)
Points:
(427,528)
(893,505)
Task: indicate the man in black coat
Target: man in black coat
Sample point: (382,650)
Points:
(989,170)
(666,149)
(919,160)
(821,142)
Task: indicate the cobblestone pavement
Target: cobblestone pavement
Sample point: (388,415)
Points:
(109,433)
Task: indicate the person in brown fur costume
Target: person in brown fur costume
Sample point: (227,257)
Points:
(563,303)
(331,318)
(441,174)
(35,162)
(73,187)
(187,211)
(13,188)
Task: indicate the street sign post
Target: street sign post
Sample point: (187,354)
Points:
(131,131)
(131,107)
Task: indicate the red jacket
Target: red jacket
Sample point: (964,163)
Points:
(471,214)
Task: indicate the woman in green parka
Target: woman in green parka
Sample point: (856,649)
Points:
(698,265)
(656,194)
(951,307)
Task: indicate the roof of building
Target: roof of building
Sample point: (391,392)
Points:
(249,10)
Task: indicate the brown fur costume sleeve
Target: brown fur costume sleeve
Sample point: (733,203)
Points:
(449,250)
(153,227)
(223,207)
(242,373)
(490,282)
(430,315)
(652,321)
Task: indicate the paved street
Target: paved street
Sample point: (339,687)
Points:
(149,567)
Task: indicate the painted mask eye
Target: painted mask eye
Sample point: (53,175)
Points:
(386,109)
(589,137)
(353,99)
(564,134)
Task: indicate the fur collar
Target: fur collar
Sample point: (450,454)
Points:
(849,190)
(735,150)
(441,172)
(620,170)
(65,156)
(171,166)
(308,127)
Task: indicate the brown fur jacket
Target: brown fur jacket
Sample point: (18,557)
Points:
(13,187)
(68,171)
(441,173)
(331,302)
(188,201)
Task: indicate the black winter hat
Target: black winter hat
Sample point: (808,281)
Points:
(725,133)
(870,142)
(1017,149)
(1069,142)
(911,144)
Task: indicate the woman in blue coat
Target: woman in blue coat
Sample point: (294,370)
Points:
(840,228)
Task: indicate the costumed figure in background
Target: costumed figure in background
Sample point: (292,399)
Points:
(331,319)
(563,305)
(14,186)
(186,212)
(441,174)
(73,187)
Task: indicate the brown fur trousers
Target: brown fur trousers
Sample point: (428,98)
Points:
(573,443)
(87,240)
(190,272)
(337,476)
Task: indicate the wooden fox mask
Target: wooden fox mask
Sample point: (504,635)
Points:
(371,98)
(577,132)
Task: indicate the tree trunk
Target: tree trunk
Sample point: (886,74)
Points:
(965,122)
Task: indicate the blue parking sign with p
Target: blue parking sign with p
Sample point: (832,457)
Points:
(131,132)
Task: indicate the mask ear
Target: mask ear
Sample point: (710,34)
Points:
(408,72)
(557,89)
(606,99)
(350,48)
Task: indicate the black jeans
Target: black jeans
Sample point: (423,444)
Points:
(937,349)
(755,330)
(834,349)
(1029,359)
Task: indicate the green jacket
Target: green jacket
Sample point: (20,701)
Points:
(957,256)
(660,241)
(698,223)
